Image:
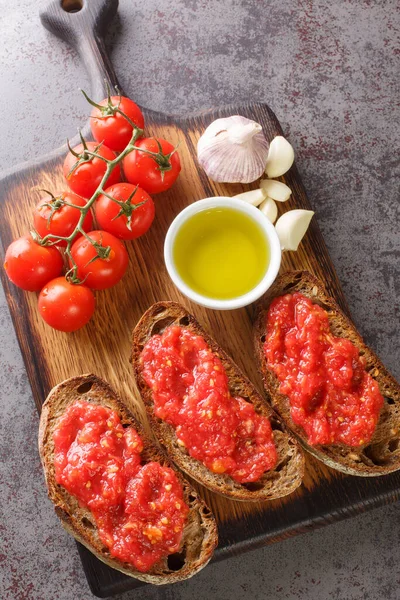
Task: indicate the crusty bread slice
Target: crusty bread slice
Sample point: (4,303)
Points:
(200,535)
(289,470)
(382,454)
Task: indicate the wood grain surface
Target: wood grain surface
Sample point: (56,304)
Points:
(103,346)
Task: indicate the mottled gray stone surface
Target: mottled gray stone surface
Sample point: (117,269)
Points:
(330,70)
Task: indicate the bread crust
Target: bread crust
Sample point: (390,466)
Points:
(289,470)
(382,454)
(200,535)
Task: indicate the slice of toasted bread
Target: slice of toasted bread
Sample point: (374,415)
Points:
(289,470)
(382,454)
(200,535)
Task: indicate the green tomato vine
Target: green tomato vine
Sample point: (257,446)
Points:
(126,207)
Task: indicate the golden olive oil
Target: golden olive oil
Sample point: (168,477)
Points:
(221,253)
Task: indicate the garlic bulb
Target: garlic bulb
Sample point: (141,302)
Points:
(280,157)
(291,227)
(254,197)
(269,209)
(277,190)
(233,150)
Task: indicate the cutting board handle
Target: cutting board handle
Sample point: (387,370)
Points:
(82,24)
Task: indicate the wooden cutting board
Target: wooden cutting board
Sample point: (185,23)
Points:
(103,346)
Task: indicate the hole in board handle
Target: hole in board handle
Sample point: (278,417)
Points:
(72,6)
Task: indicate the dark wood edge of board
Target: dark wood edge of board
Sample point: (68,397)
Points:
(115,582)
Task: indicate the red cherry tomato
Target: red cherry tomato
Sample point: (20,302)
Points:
(52,216)
(100,273)
(86,177)
(136,215)
(111,127)
(143,169)
(66,306)
(29,265)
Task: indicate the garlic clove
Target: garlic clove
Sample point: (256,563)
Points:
(292,226)
(280,157)
(269,209)
(277,190)
(254,197)
(233,150)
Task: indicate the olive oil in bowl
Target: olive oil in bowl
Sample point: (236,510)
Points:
(221,253)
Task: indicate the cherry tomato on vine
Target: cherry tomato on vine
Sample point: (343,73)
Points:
(29,265)
(132,219)
(96,272)
(51,215)
(86,177)
(152,174)
(111,127)
(66,306)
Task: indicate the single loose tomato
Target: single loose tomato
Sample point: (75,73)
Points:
(29,265)
(53,215)
(152,173)
(84,177)
(110,126)
(66,306)
(101,262)
(129,219)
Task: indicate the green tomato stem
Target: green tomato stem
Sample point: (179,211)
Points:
(161,159)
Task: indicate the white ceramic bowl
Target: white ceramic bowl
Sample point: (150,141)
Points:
(251,211)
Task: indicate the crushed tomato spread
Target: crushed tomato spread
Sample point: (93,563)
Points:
(331,395)
(191,393)
(139,510)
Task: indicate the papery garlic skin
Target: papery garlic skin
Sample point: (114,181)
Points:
(291,227)
(269,209)
(233,150)
(277,190)
(254,197)
(280,157)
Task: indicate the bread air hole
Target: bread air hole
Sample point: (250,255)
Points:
(281,465)
(325,307)
(176,561)
(296,279)
(253,486)
(87,523)
(85,387)
(275,424)
(287,289)
(160,325)
(206,511)
(389,400)
(184,321)
(378,455)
